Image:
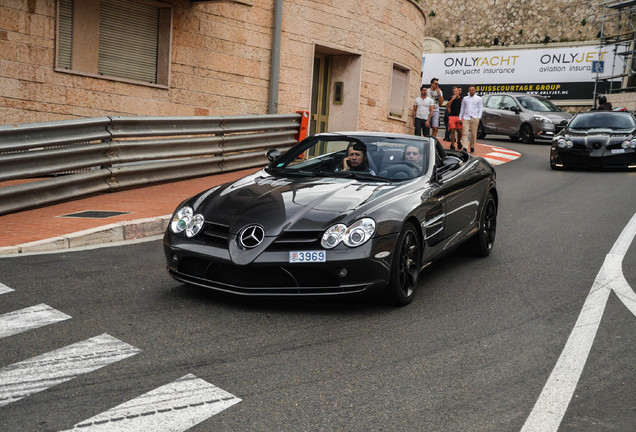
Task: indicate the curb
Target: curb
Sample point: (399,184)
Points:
(117,232)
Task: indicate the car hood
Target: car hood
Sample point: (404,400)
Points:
(279,204)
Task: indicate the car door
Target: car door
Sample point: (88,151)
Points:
(491,116)
(509,121)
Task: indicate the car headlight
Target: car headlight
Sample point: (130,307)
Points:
(195,225)
(629,144)
(563,143)
(355,235)
(333,236)
(186,220)
(542,119)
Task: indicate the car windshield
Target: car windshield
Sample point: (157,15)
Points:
(368,158)
(601,120)
(534,103)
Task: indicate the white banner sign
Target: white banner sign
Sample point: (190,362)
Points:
(560,73)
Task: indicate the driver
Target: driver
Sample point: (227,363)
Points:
(413,154)
(356,159)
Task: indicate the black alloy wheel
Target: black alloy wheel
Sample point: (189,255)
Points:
(526,133)
(405,269)
(482,243)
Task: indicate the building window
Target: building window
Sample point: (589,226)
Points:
(398,101)
(118,39)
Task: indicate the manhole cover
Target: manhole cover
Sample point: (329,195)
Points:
(95,214)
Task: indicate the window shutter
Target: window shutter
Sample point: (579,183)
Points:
(399,91)
(65,34)
(128,34)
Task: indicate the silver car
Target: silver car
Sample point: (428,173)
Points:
(521,115)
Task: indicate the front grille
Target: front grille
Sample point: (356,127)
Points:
(296,240)
(216,234)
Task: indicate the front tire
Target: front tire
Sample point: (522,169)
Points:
(481,244)
(405,268)
(526,133)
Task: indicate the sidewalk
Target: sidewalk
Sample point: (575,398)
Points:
(145,212)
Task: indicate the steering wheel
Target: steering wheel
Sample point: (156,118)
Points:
(401,171)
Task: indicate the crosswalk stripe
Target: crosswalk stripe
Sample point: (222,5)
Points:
(177,406)
(4,288)
(29,318)
(39,373)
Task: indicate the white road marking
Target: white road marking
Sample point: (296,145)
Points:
(494,161)
(552,404)
(39,373)
(504,150)
(510,156)
(29,318)
(174,407)
(4,288)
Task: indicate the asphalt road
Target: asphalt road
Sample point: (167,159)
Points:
(471,353)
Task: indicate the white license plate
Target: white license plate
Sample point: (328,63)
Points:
(614,151)
(307,256)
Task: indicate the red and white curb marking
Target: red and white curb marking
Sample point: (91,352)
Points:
(500,155)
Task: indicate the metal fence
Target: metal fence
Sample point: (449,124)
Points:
(45,163)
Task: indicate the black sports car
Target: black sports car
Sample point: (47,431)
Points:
(339,213)
(596,139)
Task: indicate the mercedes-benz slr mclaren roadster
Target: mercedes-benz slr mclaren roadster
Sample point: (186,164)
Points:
(337,214)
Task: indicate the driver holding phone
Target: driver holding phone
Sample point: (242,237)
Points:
(356,159)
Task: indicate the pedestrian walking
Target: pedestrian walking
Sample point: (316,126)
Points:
(454,125)
(423,112)
(435,93)
(470,115)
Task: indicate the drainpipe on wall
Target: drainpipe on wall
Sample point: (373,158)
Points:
(274,74)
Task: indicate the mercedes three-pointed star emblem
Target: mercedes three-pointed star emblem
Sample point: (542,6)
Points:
(251,236)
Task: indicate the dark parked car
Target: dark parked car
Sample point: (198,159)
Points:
(601,139)
(306,225)
(521,115)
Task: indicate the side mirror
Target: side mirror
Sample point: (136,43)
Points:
(515,109)
(273,154)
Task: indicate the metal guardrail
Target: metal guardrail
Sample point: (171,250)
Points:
(45,163)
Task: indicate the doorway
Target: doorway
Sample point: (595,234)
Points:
(321,86)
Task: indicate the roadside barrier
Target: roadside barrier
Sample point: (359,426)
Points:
(45,163)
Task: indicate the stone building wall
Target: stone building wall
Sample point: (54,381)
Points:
(220,60)
(461,23)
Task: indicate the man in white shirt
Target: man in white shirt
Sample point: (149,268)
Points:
(423,112)
(435,93)
(470,115)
